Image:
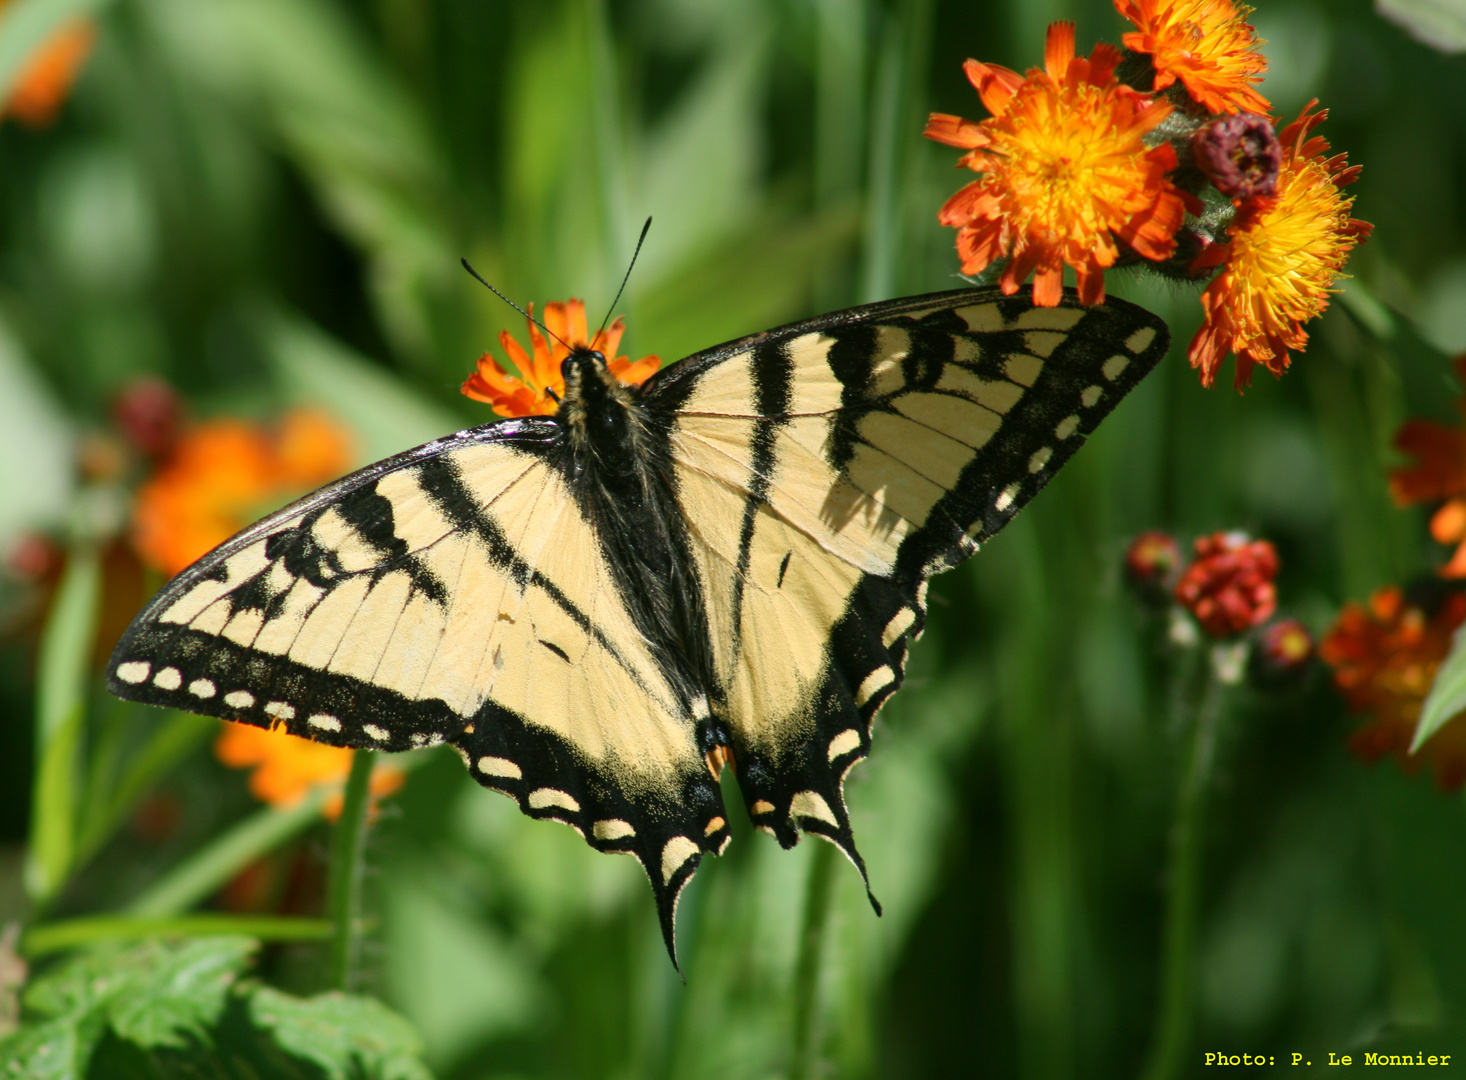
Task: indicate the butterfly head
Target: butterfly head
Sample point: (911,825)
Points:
(597,406)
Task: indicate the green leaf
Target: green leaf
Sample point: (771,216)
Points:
(1421,366)
(1447,697)
(27,24)
(34,429)
(346,1035)
(182,992)
(57,1050)
(66,646)
(154,994)
(385,413)
(348,124)
(760,282)
(1440,24)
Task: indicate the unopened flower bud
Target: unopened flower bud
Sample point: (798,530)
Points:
(1229,588)
(1241,155)
(149,413)
(1152,565)
(1282,655)
(32,557)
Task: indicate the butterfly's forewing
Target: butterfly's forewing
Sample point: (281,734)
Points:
(828,469)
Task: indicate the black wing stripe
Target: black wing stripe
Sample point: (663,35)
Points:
(771,369)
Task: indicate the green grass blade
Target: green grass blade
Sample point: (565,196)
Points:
(60,718)
(210,868)
(71,933)
(172,741)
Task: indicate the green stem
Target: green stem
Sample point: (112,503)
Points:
(1178,957)
(69,933)
(221,860)
(346,873)
(62,683)
(807,967)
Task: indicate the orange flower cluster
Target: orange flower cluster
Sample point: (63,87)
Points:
(1206,45)
(1438,474)
(1066,172)
(222,474)
(1078,167)
(286,768)
(1385,658)
(48,73)
(540,385)
(1280,261)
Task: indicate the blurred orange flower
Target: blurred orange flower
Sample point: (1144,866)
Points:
(1206,44)
(286,767)
(1439,473)
(1280,260)
(1066,170)
(1385,658)
(49,72)
(223,474)
(540,384)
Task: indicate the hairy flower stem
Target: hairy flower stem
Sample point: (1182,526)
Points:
(347,859)
(807,967)
(1183,879)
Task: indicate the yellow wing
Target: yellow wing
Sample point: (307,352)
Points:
(827,470)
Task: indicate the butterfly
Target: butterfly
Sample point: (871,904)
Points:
(602,609)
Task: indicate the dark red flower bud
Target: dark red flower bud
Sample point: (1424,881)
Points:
(1152,565)
(1282,655)
(1229,588)
(149,413)
(32,557)
(1241,155)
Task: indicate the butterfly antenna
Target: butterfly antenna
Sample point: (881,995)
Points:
(627,278)
(512,304)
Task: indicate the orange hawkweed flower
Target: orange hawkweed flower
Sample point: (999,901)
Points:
(540,383)
(1065,171)
(1439,473)
(49,72)
(286,767)
(1280,260)
(1385,658)
(1205,44)
(223,474)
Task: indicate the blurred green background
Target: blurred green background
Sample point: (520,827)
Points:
(264,202)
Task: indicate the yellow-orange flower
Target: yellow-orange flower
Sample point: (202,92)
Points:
(1282,257)
(1206,44)
(1439,473)
(1385,658)
(1065,171)
(223,474)
(286,768)
(46,78)
(540,384)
